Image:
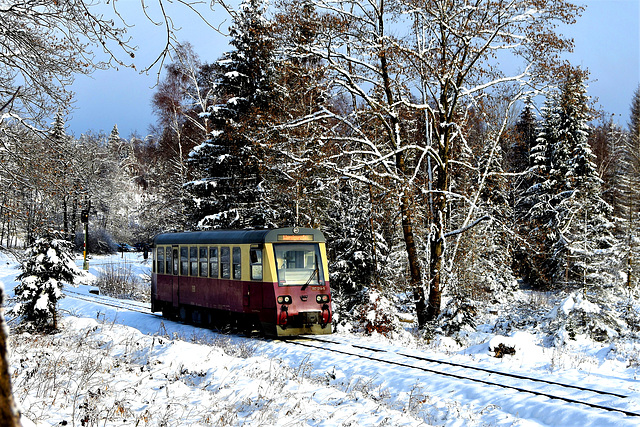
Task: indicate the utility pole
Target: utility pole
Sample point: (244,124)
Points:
(84,218)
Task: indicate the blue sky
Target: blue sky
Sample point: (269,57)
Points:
(607,42)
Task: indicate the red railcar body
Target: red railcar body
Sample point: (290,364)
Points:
(275,280)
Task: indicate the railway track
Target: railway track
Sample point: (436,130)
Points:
(520,383)
(110,302)
(555,390)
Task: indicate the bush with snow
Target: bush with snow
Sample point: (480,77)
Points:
(458,315)
(47,266)
(368,312)
(121,281)
(577,315)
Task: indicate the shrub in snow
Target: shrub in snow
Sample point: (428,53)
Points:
(576,315)
(98,242)
(47,266)
(120,281)
(371,312)
(459,314)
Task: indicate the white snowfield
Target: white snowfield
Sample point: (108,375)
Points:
(113,366)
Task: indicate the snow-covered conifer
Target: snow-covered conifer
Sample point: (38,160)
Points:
(228,188)
(584,227)
(568,221)
(47,267)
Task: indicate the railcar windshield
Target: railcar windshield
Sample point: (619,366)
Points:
(299,264)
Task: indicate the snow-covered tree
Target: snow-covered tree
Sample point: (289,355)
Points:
(568,221)
(227,190)
(525,138)
(628,195)
(608,140)
(63,186)
(48,265)
(584,218)
(448,58)
(352,241)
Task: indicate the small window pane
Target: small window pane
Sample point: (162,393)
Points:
(169,262)
(193,261)
(204,262)
(256,264)
(159,259)
(213,262)
(225,263)
(184,261)
(237,268)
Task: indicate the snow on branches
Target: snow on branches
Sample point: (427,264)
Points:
(47,267)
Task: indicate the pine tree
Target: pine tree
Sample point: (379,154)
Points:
(525,139)
(116,145)
(628,189)
(62,170)
(584,225)
(570,224)
(47,267)
(567,220)
(537,213)
(228,192)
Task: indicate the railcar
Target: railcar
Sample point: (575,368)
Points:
(274,280)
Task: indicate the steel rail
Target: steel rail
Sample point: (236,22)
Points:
(462,377)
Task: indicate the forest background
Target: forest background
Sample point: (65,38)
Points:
(393,127)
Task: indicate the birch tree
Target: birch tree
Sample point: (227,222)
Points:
(449,61)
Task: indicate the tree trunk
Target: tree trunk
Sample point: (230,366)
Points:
(65,218)
(435,266)
(414,266)
(405,198)
(8,412)
(437,244)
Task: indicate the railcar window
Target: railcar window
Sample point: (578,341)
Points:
(256,264)
(298,264)
(213,262)
(169,262)
(160,260)
(204,262)
(237,259)
(193,261)
(184,261)
(225,262)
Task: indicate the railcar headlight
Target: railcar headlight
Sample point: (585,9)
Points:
(284,299)
(322,298)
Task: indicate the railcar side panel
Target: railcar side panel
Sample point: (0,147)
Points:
(278,278)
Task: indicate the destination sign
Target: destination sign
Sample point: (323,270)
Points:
(295,237)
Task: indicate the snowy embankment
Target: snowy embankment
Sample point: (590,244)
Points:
(112,366)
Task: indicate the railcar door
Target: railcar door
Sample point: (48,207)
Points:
(175,293)
(256,284)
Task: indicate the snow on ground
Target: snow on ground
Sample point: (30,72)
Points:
(111,366)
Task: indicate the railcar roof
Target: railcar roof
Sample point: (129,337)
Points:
(234,236)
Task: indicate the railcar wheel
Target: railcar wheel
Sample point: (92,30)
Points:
(167,312)
(251,326)
(207,318)
(184,315)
